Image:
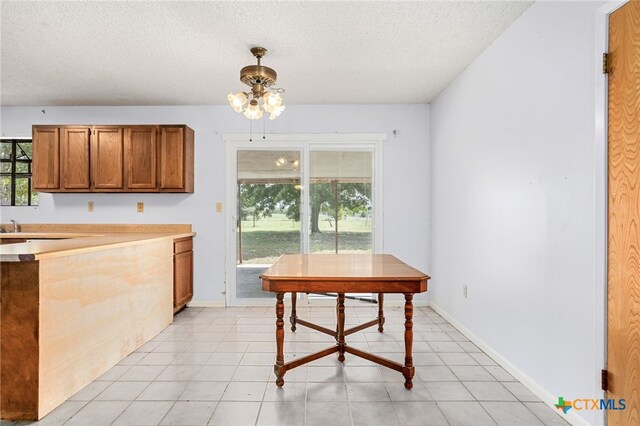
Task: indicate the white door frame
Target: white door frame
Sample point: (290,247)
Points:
(304,143)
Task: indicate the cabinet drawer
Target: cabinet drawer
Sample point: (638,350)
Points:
(182,245)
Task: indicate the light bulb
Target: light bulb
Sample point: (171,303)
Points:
(276,112)
(271,101)
(253,111)
(237,101)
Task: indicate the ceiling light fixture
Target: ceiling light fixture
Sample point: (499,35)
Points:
(262,97)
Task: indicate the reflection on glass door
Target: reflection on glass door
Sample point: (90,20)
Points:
(268,216)
(341,203)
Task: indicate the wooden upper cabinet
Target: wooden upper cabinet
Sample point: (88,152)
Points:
(172,158)
(141,156)
(113,158)
(46,158)
(107,153)
(176,159)
(74,158)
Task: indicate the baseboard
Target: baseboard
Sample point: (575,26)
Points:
(206,304)
(546,396)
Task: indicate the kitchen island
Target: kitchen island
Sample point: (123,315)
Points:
(72,306)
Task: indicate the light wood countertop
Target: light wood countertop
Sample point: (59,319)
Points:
(58,244)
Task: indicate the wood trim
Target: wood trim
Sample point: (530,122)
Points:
(623,275)
(189,159)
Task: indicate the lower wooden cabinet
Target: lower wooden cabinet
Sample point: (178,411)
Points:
(182,272)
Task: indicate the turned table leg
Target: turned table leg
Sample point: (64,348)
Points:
(294,316)
(278,368)
(409,370)
(341,327)
(380,312)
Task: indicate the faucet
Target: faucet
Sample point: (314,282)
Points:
(15,226)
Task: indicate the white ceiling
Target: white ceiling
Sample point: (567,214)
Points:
(190,53)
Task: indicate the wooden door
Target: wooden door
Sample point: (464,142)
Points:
(75,160)
(623,287)
(172,158)
(141,155)
(46,158)
(107,148)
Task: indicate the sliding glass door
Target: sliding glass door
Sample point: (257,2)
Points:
(268,214)
(298,197)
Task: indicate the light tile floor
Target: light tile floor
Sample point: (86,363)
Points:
(215,366)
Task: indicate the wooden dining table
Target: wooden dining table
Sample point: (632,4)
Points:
(342,274)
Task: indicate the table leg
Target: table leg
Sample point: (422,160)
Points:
(380,312)
(341,327)
(294,316)
(278,367)
(409,370)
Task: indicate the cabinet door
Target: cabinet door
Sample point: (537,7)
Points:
(74,161)
(46,158)
(172,158)
(182,279)
(141,155)
(107,150)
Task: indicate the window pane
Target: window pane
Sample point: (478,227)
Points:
(22,192)
(22,167)
(24,151)
(5,150)
(6,190)
(5,167)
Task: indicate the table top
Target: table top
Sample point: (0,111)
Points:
(343,273)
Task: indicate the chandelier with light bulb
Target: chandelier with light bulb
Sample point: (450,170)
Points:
(262,97)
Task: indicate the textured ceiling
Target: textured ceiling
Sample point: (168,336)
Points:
(190,53)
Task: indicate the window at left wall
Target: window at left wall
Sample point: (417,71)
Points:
(15,173)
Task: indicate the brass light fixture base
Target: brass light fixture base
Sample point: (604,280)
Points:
(258,76)
(259,52)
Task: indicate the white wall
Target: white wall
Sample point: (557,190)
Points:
(405,172)
(513,209)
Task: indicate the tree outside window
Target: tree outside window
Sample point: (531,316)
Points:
(16,172)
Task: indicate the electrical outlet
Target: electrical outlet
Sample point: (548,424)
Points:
(464,291)
(218,207)
(140,207)
(91,206)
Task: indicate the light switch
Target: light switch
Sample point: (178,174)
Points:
(218,207)
(140,207)
(91,205)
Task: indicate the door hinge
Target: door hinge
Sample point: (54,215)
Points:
(605,63)
(604,379)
